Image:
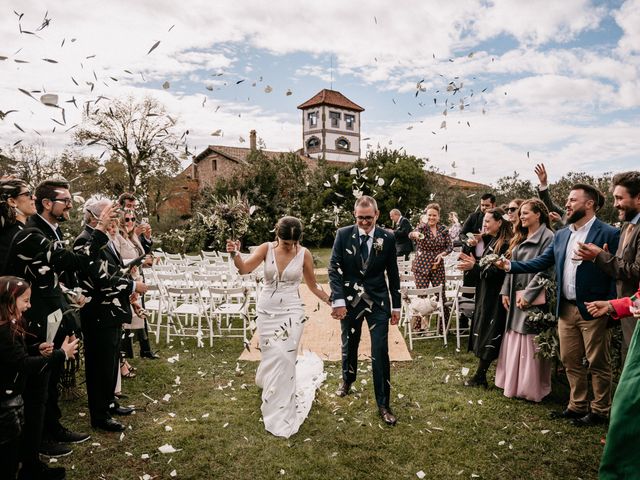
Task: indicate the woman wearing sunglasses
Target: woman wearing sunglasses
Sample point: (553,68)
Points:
(512,210)
(129,247)
(17,203)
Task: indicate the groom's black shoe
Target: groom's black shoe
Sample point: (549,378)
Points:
(388,416)
(343,391)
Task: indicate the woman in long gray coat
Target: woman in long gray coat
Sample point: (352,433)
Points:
(519,372)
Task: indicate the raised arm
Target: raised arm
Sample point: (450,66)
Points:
(250,264)
(310,278)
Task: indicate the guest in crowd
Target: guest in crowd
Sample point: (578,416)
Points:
(580,333)
(620,458)
(474,246)
(128,201)
(16,364)
(401,230)
(102,318)
(38,255)
(433,243)
(128,245)
(455,227)
(489,316)
(512,209)
(623,264)
(17,204)
(519,372)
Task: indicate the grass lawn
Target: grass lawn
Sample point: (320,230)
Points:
(207,407)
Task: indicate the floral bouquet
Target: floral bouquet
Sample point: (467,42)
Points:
(485,262)
(545,324)
(230,214)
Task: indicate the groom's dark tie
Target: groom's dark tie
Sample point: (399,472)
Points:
(364,248)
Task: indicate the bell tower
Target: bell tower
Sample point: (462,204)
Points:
(331,127)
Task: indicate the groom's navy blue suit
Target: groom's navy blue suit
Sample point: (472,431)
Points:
(362,285)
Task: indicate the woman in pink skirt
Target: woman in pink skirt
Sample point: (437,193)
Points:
(519,372)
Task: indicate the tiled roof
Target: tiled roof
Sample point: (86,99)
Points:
(459,182)
(237,154)
(333,98)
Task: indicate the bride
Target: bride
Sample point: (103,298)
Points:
(288,383)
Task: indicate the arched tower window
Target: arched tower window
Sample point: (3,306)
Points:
(343,144)
(313,143)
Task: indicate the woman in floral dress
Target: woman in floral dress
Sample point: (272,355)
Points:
(433,243)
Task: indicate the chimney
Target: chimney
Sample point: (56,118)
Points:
(252,140)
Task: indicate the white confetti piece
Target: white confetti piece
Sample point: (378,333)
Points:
(420,474)
(166,448)
(173,473)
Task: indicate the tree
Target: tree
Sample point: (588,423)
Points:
(29,163)
(138,135)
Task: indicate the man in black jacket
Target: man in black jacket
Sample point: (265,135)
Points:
(38,254)
(102,320)
(401,229)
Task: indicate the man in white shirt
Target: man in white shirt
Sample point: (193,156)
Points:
(581,335)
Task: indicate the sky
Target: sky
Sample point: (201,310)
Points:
(535,81)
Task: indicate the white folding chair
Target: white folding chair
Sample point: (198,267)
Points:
(154,304)
(185,314)
(463,303)
(192,259)
(227,305)
(407,313)
(407,281)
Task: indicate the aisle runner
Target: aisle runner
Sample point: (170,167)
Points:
(322,335)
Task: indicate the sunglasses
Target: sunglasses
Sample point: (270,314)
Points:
(67,201)
(28,193)
(129,220)
(512,209)
(364,219)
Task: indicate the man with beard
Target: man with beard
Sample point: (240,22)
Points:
(37,253)
(581,334)
(624,265)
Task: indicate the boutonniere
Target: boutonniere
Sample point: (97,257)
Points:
(378,244)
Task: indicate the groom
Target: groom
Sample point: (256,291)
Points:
(361,255)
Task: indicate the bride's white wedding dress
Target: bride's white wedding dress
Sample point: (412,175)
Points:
(288,382)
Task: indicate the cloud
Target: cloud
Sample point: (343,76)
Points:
(628,18)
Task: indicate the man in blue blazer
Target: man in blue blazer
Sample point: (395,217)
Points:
(581,335)
(362,254)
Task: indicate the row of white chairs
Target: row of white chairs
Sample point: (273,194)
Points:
(458,298)
(192,304)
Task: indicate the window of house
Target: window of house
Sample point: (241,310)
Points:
(313,119)
(214,164)
(349,120)
(335,119)
(313,142)
(342,144)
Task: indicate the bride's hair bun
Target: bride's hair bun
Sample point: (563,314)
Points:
(289,228)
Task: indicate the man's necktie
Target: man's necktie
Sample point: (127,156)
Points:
(364,248)
(627,234)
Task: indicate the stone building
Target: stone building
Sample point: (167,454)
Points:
(330,131)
